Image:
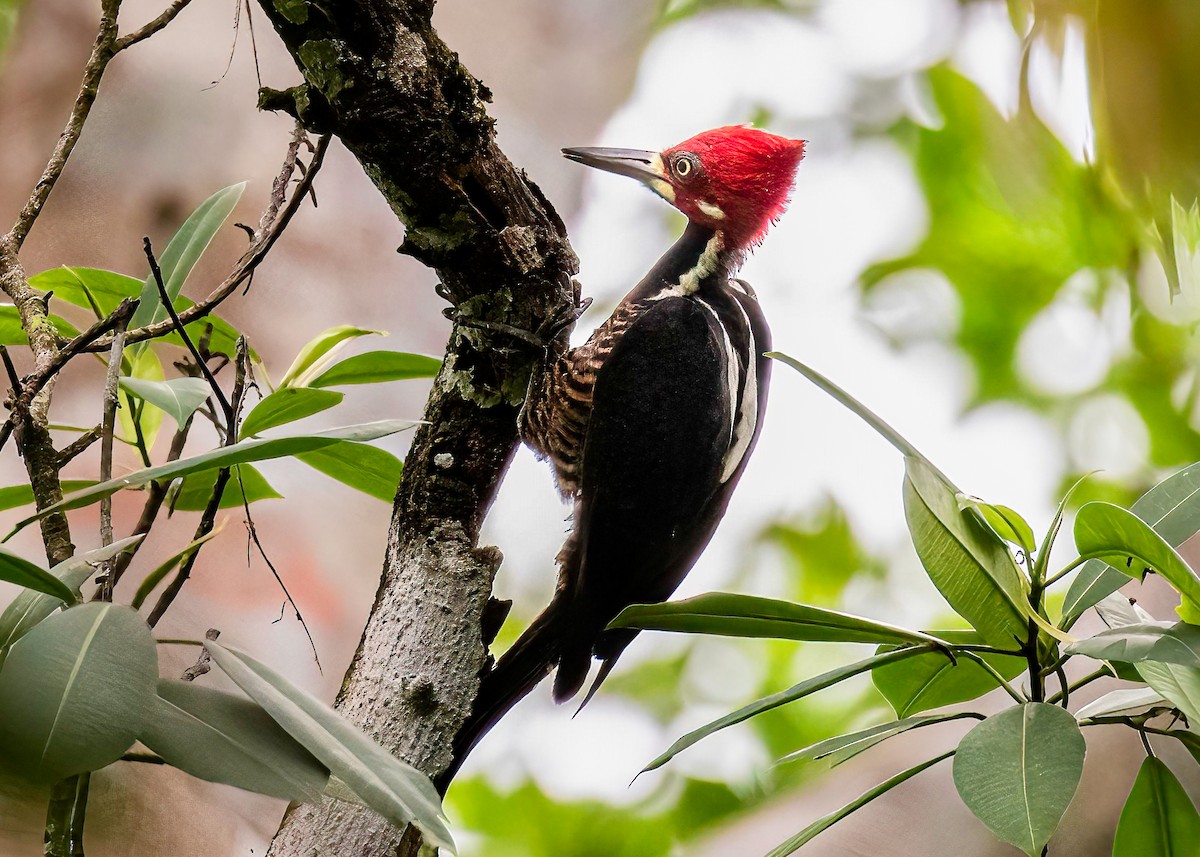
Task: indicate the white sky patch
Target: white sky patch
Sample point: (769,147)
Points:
(900,36)
(1058,88)
(1107,434)
(989,53)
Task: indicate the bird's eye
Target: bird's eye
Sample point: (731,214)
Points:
(684,167)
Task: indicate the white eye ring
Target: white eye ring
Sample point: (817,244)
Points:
(683,168)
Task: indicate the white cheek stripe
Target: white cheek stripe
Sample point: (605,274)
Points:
(747,416)
(711,210)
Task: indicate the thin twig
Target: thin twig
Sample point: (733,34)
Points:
(168,15)
(85,341)
(274,220)
(214,499)
(144,758)
(252,532)
(1083,682)
(204,661)
(995,674)
(79,446)
(187,340)
(14,380)
(108,429)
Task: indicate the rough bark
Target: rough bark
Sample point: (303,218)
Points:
(378,76)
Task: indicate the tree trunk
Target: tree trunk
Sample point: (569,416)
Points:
(378,76)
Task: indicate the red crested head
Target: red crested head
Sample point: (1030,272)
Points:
(733,179)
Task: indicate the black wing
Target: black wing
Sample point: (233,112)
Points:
(660,428)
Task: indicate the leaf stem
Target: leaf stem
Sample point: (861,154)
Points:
(1001,681)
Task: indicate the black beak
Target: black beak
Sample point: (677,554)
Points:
(639,164)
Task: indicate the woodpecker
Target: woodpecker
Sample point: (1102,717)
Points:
(650,423)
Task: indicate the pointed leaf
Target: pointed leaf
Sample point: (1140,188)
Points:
(1172,508)
(29,607)
(1117,535)
(1162,642)
(1018,770)
(12,333)
(92,289)
(15,496)
(365,468)
(394,789)
(735,615)
(969,566)
(164,568)
(183,251)
(378,366)
(319,352)
(22,572)
(197,488)
(1159,819)
(255,449)
(1179,684)
(825,822)
(931,680)
(1005,522)
(76,691)
(179,397)
(286,405)
(799,691)
(843,748)
(1135,700)
(132,413)
(228,739)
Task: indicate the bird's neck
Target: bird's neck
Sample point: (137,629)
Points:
(700,257)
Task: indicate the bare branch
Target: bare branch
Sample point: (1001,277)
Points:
(168,15)
(274,221)
(107,430)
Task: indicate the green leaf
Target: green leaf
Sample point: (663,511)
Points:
(1135,700)
(1159,819)
(1007,204)
(1018,770)
(971,568)
(1105,531)
(1005,523)
(825,822)
(394,789)
(197,488)
(799,691)
(1170,644)
(179,397)
(377,366)
(1179,684)
(22,572)
(164,568)
(29,607)
(76,691)
(1172,508)
(15,496)
(143,365)
(843,748)
(183,251)
(931,680)
(365,468)
(255,449)
(12,333)
(93,289)
(735,615)
(228,739)
(316,355)
(286,405)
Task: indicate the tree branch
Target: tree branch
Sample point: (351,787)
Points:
(377,75)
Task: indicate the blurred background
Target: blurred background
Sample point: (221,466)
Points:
(992,243)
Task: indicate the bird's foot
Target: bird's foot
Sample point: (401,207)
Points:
(541,338)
